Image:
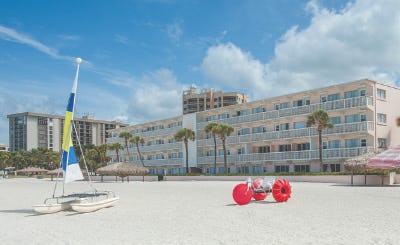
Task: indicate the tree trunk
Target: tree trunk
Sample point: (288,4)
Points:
(321,165)
(215,155)
(187,157)
(140,155)
(225,164)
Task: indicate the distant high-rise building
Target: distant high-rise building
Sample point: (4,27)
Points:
(209,99)
(34,130)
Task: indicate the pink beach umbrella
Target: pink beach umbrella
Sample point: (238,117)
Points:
(389,159)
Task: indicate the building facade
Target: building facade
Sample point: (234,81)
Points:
(4,147)
(271,135)
(209,99)
(34,130)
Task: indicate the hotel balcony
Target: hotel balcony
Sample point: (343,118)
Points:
(292,133)
(328,154)
(163,162)
(294,111)
(160,147)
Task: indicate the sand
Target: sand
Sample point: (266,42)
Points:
(203,212)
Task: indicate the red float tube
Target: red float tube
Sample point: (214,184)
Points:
(242,194)
(281,190)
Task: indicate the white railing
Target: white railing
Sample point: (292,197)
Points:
(161,147)
(300,110)
(286,156)
(163,162)
(293,133)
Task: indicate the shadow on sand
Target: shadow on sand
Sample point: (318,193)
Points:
(264,202)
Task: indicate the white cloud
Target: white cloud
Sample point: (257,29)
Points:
(158,96)
(358,41)
(174,31)
(12,35)
(120,39)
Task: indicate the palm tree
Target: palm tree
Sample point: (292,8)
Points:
(116,147)
(102,151)
(320,118)
(212,128)
(185,134)
(126,136)
(4,156)
(138,140)
(224,130)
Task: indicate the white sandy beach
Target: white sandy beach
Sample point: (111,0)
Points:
(203,212)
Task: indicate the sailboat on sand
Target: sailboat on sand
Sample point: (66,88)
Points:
(80,202)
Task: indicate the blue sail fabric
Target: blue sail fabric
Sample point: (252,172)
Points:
(70,164)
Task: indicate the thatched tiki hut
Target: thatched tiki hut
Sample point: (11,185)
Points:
(359,164)
(32,170)
(123,169)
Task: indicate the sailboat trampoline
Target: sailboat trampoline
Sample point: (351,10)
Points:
(80,202)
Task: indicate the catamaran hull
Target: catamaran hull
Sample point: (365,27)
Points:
(93,206)
(52,208)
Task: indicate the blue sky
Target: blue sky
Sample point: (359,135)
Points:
(141,50)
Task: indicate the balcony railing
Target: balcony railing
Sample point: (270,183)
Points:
(163,162)
(300,110)
(286,156)
(161,147)
(293,133)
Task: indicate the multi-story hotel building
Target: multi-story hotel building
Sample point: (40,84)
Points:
(209,99)
(270,135)
(33,130)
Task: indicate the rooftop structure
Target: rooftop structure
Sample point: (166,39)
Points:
(209,99)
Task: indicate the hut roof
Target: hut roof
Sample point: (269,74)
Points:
(122,169)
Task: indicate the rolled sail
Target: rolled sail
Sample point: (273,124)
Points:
(70,164)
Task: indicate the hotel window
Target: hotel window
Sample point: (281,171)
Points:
(381,93)
(382,143)
(283,148)
(221,152)
(257,110)
(323,98)
(284,105)
(335,120)
(363,118)
(363,142)
(324,145)
(281,168)
(381,118)
(302,168)
(259,130)
(244,131)
(276,106)
(297,103)
(240,151)
(334,144)
(363,92)
(276,127)
(351,94)
(332,97)
(264,149)
(352,118)
(351,143)
(303,147)
(298,125)
(159,156)
(284,126)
